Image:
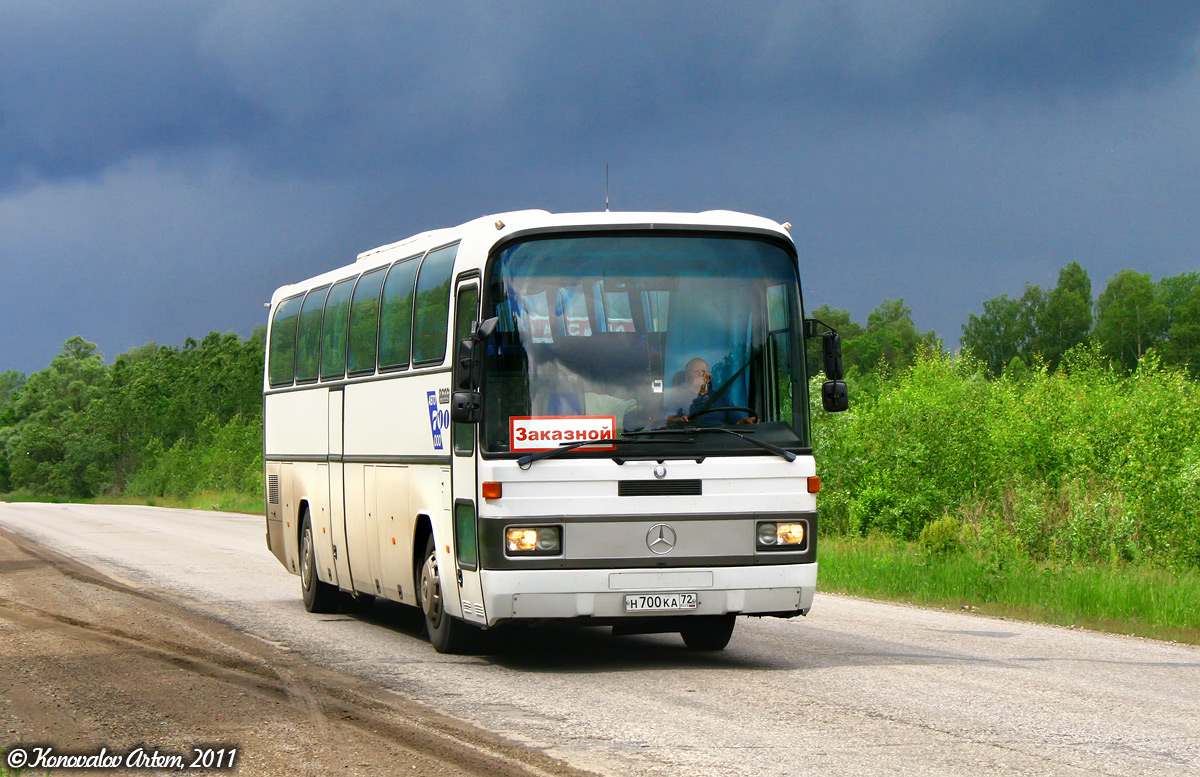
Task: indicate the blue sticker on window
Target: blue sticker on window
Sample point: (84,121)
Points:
(438,419)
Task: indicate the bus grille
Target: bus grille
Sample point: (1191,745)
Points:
(659,488)
(273,489)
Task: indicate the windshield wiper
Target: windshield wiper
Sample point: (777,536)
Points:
(767,446)
(526,461)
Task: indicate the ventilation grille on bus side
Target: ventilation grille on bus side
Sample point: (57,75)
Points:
(273,489)
(659,488)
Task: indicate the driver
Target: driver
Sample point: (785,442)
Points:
(695,393)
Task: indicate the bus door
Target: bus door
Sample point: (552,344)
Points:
(463,476)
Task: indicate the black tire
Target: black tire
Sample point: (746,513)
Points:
(708,632)
(318,596)
(446,633)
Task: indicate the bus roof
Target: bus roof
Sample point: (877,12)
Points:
(504,225)
(484,232)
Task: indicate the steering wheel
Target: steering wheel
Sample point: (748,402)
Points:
(751,412)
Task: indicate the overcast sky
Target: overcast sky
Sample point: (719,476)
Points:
(165,165)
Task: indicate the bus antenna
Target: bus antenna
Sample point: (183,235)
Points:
(606,187)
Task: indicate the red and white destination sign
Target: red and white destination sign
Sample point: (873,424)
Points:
(539,433)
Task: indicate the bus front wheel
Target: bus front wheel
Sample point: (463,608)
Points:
(318,596)
(447,634)
(708,632)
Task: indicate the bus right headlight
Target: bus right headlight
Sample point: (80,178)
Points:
(782,535)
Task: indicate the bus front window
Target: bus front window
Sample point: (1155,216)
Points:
(644,332)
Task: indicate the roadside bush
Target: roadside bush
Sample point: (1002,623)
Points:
(1081,465)
(222,457)
(941,536)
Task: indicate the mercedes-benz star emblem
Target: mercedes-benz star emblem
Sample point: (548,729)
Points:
(661,539)
(660,472)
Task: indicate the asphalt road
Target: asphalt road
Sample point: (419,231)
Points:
(858,687)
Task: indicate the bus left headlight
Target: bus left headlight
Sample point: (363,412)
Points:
(782,535)
(533,540)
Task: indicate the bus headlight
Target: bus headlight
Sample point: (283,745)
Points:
(533,540)
(781,535)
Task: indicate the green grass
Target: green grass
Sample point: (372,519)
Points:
(1123,599)
(224,501)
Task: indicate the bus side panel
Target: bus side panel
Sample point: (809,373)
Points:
(289,434)
(275,510)
(395,527)
(292,424)
(403,417)
(371,503)
(337,491)
(312,486)
(291,514)
(431,496)
(403,421)
(356,529)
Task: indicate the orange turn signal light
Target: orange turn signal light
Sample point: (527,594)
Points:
(814,485)
(492,490)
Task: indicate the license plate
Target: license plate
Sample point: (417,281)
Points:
(660,602)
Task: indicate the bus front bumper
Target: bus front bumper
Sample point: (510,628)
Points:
(602,593)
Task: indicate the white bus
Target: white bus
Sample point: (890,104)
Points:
(597,417)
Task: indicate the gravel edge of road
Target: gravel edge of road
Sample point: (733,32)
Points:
(54,609)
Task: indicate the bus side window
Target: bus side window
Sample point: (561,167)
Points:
(395,315)
(618,315)
(571,310)
(431,321)
(533,316)
(364,323)
(656,305)
(308,349)
(283,342)
(333,339)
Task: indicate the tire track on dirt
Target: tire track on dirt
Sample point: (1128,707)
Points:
(60,602)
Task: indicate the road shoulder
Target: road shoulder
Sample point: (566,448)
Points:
(96,664)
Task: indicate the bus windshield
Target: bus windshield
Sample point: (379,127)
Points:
(612,334)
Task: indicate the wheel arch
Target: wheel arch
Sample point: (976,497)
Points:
(302,509)
(422,531)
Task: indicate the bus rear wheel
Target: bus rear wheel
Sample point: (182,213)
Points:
(318,596)
(708,632)
(447,634)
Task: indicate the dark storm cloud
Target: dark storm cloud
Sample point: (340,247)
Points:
(84,86)
(329,89)
(163,166)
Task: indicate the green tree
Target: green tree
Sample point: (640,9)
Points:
(47,449)
(79,427)
(1065,319)
(11,382)
(1181,296)
(890,339)
(999,335)
(1130,317)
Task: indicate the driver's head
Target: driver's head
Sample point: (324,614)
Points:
(697,376)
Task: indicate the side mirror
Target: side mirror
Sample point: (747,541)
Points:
(831,346)
(466,407)
(468,364)
(485,328)
(834,396)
